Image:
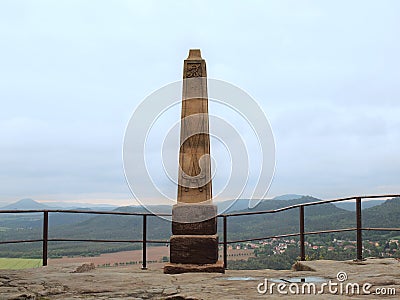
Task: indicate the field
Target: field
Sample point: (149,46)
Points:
(19,263)
(155,257)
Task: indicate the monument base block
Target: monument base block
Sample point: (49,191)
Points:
(172,268)
(194,249)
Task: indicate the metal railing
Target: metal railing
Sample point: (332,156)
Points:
(302,233)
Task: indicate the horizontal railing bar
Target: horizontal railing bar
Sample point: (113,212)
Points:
(229,242)
(74,211)
(309,233)
(331,231)
(304,204)
(157,242)
(288,235)
(21,241)
(94,240)
(260,239)
(382,229)
(20,211)
(377,196)
(84,240)
(107,241)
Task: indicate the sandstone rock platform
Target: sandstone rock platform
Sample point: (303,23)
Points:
(63,282)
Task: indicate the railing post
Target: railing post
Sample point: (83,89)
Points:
(359,229)
(302,249)
(45,236)
(144,248)
(225,244)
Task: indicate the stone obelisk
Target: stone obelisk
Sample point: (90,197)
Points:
(194,240)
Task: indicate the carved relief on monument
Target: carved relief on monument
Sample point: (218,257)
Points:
(196,177)
(195,160)
(193,70)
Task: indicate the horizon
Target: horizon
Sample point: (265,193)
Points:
(65,203)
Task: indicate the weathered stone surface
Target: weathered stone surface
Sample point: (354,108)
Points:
(85,268)
(194,249)
(218,267)
(208,227)
(57,282)
(194,219)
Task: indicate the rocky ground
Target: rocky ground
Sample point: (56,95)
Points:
(74,281)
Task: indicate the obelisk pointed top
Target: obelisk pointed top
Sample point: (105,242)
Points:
(194,54)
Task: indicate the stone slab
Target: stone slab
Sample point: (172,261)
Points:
(194,249)
(194,219)
(191,213)
(172,268)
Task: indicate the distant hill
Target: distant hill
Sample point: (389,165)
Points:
(288,197)
(26,204)
(384,215)
(351,206)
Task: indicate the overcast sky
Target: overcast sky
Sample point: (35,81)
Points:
(326,73)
